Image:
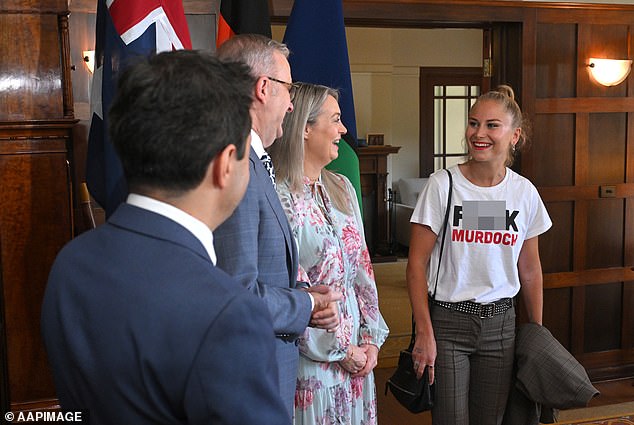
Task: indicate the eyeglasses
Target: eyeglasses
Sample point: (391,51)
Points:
(289,86)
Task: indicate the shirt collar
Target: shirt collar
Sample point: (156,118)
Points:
(191,223)
(256,144)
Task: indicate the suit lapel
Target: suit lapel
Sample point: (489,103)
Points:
(271,195)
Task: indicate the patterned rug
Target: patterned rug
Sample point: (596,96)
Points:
(614,420)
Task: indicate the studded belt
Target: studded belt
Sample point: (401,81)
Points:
(481,310)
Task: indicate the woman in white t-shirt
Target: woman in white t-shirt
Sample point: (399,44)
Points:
(466,333)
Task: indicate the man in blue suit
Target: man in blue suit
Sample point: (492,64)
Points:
(139,325)
(255,245)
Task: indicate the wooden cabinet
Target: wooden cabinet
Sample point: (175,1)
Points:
(373,169)
(36,214)
(35,222)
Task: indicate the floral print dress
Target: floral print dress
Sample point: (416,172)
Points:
(333,252)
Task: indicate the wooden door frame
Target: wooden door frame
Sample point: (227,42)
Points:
(428,78)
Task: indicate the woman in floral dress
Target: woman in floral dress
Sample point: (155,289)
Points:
(335,383)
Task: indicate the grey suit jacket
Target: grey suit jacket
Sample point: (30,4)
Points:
(256,246)
(547,377)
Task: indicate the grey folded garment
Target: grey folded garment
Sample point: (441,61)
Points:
(547,373)
(547,378)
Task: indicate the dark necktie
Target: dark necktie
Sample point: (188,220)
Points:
(268,164)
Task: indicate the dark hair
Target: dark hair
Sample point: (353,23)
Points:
(174,112)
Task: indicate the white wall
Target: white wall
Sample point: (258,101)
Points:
(384,64)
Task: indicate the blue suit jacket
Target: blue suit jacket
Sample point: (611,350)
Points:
(256,246)
(141,328)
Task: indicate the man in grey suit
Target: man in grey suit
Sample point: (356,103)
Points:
(139,325)
(255,245)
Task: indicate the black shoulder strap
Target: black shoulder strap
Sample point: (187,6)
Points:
(444,231)
(442,244)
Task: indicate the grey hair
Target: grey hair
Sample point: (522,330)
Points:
(253,49)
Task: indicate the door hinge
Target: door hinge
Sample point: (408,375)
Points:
(487,67)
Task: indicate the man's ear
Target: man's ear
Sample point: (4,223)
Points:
(222,166)
(261,88)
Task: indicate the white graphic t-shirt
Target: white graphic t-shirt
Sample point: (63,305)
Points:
(485,233)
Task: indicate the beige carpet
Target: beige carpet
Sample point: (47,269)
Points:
(614,420)
(395,308)
(613,414)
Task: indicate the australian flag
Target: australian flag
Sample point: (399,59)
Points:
(125,29)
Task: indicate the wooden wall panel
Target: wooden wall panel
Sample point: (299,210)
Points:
(557,313)
(606,147)
(34,6)
(555,246)
(603,318)
(596,154)
(604,233)
(30,69)
(628,315)
(552,152)
(556,66)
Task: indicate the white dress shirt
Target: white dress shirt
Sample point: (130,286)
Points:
(256,144)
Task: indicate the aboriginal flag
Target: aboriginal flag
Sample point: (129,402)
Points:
(243,17)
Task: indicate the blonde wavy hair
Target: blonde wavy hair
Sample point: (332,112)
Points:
(288,151)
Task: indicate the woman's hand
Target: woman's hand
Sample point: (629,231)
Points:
(424,354)
(421,244)
(372,353)
(355,360)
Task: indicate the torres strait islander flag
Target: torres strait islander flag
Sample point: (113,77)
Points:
(125,29)
(243,17)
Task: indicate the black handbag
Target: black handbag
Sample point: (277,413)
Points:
(417,395)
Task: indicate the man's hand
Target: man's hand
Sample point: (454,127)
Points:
(325,313)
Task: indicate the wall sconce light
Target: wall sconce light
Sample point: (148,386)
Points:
(89,59)
(609,72)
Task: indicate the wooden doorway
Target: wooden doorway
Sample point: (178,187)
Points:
(446,94)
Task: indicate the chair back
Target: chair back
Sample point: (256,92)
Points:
(86,206)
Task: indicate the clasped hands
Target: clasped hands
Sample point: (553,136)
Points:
(325,313)
(360,359)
